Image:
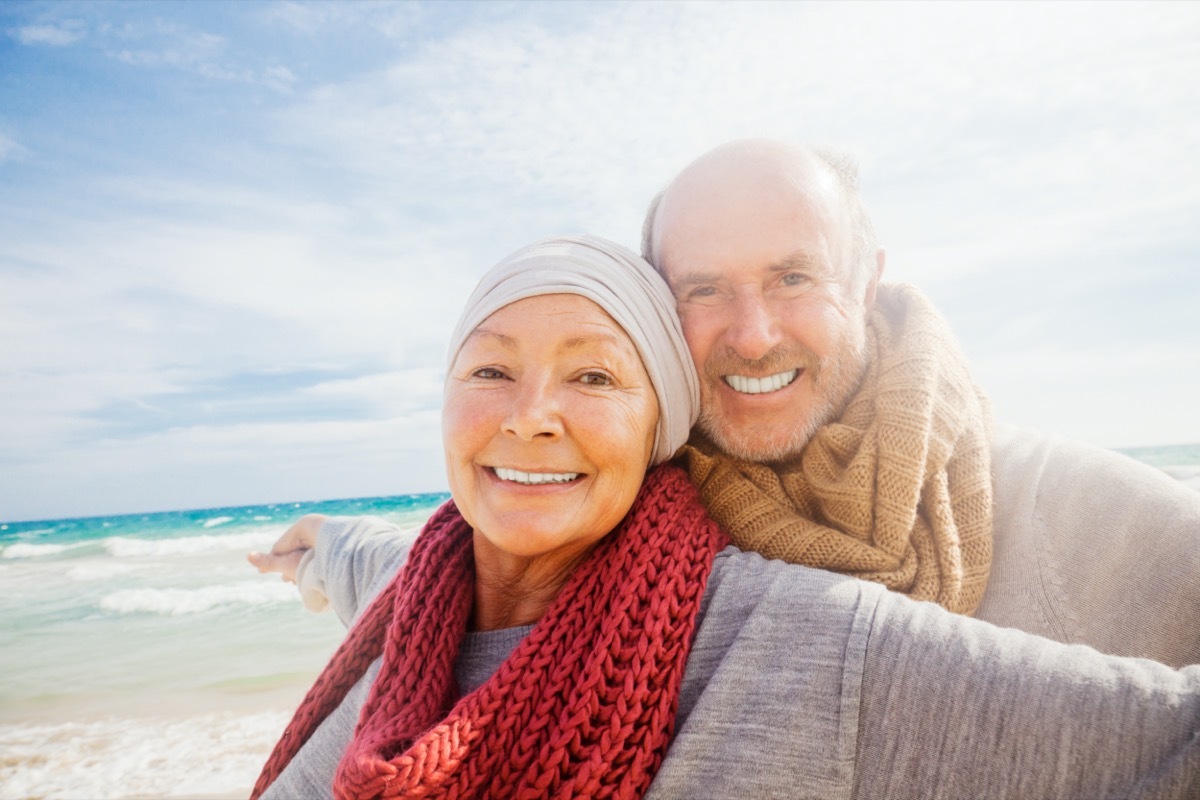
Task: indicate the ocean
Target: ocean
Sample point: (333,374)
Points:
(142,656)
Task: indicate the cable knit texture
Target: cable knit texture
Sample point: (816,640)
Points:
(583,708)
(898,490)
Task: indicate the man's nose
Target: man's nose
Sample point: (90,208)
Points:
(754,329)
(534,411)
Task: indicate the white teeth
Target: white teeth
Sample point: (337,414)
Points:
(771,383)
(531,478)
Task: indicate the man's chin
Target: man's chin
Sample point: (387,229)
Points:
(753,445)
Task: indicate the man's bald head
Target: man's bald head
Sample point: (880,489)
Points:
(752,167)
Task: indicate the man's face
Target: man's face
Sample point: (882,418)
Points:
(762,279)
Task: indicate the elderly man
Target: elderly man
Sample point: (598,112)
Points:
(841,427)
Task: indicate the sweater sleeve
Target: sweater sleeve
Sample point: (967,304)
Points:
(953,707)
(1092,547)
(354,559)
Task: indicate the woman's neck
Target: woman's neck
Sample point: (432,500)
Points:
(513,590)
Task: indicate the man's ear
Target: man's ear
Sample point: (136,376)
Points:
(873,283)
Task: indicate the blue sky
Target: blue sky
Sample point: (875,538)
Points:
(234,237)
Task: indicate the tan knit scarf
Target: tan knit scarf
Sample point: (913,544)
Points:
(897,491)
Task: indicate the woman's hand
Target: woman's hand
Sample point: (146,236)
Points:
(289,548)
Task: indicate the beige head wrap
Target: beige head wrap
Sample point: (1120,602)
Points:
(628,289)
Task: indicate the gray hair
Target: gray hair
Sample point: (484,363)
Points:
(863,242)
(648,228)
(842,164)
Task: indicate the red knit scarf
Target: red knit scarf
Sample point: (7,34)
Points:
(584,707)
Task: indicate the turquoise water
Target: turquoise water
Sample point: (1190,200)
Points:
(1180,461)
(130,645)
(129,642)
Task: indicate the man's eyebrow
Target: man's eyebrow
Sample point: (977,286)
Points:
(797,260)
(697,276)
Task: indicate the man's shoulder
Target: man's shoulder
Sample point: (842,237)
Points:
(1034,473)
(1091,546)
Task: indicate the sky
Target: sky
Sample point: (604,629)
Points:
(235,237)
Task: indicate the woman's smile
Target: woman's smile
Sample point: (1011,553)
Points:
(534,477)
(549,425)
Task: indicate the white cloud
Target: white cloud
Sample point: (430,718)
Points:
(203,466)
(159,44)
(394,20)
(226,275)
(406,390)
(11,150)
(62,34)
(1125,396)
(1051,147)
(279,78)
(602,111)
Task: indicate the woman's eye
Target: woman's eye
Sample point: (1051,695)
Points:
(487,373)
(595,379)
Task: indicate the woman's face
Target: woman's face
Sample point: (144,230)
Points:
(548,426)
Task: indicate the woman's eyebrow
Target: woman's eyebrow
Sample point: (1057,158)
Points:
(574,343)
(583,340)
(507,342)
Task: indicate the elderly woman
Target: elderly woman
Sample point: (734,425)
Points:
(572,624)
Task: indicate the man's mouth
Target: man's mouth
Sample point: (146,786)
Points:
(771,383)
(534,478)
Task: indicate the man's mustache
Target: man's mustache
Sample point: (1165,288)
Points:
(778,359)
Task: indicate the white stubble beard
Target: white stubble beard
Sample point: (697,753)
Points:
(834,379)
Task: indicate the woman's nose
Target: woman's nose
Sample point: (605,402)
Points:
(754,328)
(534,412)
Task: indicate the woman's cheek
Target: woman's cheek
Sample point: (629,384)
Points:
(468,415)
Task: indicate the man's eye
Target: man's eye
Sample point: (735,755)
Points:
(794,279)
(703,294)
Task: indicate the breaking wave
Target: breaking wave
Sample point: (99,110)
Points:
(180,602)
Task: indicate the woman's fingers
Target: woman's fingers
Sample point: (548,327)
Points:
(286,564)
(289,548)
(302,535)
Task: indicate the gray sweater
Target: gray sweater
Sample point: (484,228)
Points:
(806,684)
(1092,547)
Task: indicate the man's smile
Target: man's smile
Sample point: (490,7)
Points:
(771,383)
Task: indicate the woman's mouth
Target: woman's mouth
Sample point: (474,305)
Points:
(534,478)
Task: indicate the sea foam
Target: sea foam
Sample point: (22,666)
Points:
(101,571)
(1187,474)
(26,550)
(179,602)
(129,547)
(122,758)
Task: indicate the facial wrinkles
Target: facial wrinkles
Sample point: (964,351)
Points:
(547,362)
(834,378)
